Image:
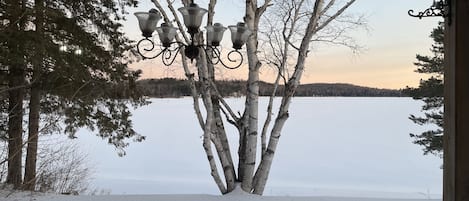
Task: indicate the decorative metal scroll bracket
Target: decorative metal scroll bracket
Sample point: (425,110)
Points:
(439,8)
(169,51)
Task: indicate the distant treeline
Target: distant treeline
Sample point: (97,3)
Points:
(170,87)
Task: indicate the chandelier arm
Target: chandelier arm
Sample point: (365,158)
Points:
(212,53)
(169,56)
(230,58)
(166,52)
(140,48)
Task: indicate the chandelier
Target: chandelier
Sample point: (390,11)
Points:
(192,16)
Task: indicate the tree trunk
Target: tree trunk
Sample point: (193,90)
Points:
(29,182)
(16,81)
(33,134)
(252,100)
(223,148)
(15,126)
(262,173)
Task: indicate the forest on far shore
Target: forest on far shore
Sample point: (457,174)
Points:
(171,87)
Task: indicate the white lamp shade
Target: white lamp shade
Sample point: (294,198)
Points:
(192,16)
(148,21)
(167,33)
(215,34)
(239,34)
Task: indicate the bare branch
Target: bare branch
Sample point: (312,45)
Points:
(269,115)
(224,103)
(194,93)
(211,11)
(162,11)
(263,8)
(273,56)
(293,22)
(7,89)
(227,116)
(327,7)
(80,88)
(334,16)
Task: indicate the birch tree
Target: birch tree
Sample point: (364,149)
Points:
(302,23)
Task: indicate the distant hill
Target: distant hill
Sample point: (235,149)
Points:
(170,87)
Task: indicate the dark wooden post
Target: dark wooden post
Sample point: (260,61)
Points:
(456,146)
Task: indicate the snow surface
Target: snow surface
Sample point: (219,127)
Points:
(330,147)
(236,196)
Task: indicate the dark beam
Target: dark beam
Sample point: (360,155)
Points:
(456,146)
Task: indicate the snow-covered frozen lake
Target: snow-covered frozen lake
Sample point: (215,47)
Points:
(331,146)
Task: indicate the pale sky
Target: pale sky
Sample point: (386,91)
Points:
(390,45)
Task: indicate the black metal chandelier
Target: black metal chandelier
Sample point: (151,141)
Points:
(438,8)
(192,16)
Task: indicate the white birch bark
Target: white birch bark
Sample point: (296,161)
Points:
(209,131)
(264,167)
(250,122)
(262,173)
(252,99)
(220,139)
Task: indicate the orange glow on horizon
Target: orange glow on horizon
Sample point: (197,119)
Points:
(378,67)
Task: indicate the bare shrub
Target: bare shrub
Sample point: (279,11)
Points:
(63,168)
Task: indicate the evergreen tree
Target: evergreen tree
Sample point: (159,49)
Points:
(430,91)
(69,58)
